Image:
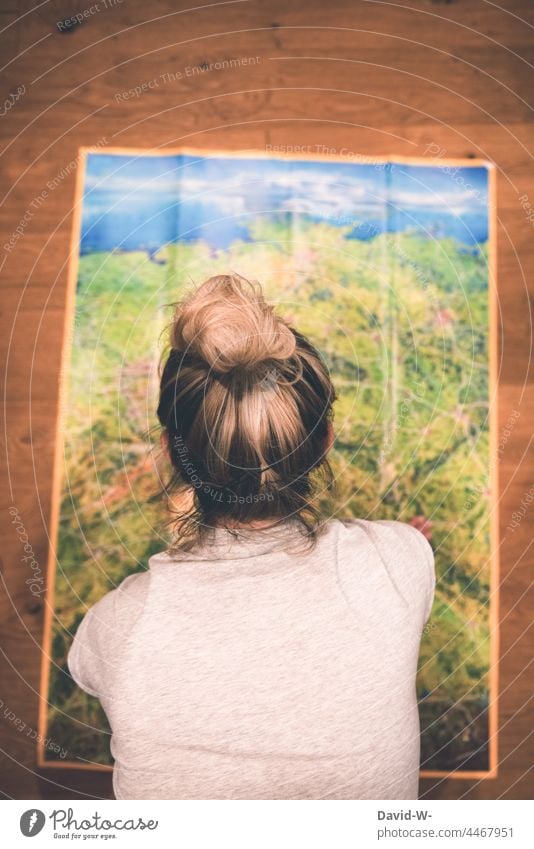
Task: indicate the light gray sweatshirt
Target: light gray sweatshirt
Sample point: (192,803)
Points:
(250,670)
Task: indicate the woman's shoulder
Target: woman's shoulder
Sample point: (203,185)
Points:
(119,607)
(134,588)
(103,631)
(394,556)
(385,534)
(130,593)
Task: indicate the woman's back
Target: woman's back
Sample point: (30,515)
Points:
(249,668)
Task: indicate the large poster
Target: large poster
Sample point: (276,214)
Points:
(388,266)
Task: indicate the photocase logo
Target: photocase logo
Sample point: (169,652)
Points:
(31,822)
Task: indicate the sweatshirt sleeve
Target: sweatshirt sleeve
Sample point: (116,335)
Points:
(95,652)
(416,575)
(428,570)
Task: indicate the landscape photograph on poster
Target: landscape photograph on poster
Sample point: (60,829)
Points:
(387,266)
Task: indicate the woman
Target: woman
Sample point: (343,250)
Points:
(266,654)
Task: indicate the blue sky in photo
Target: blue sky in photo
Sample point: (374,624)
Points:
(143,202)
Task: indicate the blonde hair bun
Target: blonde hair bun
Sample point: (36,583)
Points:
(228,324)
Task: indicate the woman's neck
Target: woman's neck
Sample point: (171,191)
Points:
(256,524)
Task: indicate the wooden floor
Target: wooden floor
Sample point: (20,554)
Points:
(369,77)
